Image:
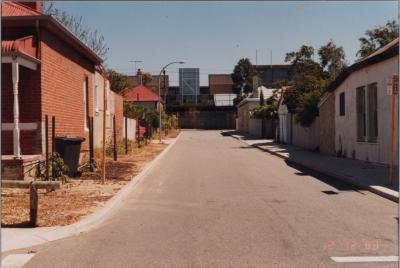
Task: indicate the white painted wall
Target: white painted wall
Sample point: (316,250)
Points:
(285,127)
(98,113)
(346,126)
(244,114)
(131,128)
(306,137)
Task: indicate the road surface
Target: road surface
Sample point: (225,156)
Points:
(215,202)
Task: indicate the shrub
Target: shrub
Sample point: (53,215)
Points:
(307,108)
(57,168)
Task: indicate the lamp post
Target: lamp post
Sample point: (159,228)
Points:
(159,93)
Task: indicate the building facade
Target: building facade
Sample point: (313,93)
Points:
(363,107)
(189,82)
(273,73)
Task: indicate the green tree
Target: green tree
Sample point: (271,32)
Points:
(146,78)
(302,62)
(306,75)
(242,77)
(118,82)
(377,38)
(332,59)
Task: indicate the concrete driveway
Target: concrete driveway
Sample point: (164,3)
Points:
(215,202)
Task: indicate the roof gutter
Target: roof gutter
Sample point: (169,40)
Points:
(57,27)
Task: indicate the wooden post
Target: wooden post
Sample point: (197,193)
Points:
(137,125)
(46,126)
(53,136)
(103,157)
(115,140)
(126,135)
(33,200)
(91,159)
(393,128)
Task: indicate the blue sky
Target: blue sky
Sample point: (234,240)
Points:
(213,36)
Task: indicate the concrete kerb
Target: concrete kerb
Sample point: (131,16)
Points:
(90,222)
(381,191)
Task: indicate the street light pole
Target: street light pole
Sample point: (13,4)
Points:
(159,94)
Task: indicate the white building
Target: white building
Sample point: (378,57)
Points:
(244,121)
(363,107)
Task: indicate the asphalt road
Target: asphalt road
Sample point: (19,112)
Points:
(215,202)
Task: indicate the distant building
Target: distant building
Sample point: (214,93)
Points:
(221,88)
(273,73)
(189,81)
(220,83)
(153,84)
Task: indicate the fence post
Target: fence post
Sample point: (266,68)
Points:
(126,135)
(33,200)
(138,131)
(115,140)
(91,159)
(46,125)
(53,148)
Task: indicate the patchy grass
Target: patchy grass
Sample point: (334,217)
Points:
(78,197)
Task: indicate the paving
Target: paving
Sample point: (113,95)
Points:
(214,201)
(16,238)
(371,176)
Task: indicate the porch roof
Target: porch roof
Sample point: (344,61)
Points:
(24,49)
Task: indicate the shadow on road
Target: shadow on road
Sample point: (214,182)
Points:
(335,183)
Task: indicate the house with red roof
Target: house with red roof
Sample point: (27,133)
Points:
(46,70)
(145,97)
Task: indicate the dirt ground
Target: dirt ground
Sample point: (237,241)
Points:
(78,197)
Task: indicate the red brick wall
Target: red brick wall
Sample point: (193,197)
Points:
(55,89)
(119,116)
(62,74)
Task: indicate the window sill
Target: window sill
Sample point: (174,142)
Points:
(367,142)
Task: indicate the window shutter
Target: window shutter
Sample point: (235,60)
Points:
(360,103)
(372,113)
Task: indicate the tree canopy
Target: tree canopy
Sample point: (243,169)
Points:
(146,78)
(377,38)
(332,59)
(242,77)
(118,82)
(310,79)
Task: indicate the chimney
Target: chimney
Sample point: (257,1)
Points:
(139,79)
(36,5)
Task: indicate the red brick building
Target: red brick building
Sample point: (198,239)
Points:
(46,70)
